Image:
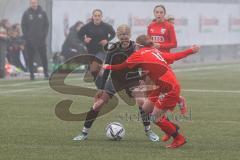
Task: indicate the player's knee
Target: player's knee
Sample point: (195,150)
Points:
(153,99)
(98,105)
(140,101)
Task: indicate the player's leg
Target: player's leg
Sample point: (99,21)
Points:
(168,127)
(95,66)
(166,137)
(102,98)
(140,98)
(43,55)
(182,105)
(30,52)
(92,115)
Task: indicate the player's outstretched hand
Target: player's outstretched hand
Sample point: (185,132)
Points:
(106,66)
(195,48)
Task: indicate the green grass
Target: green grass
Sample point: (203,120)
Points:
(30,130)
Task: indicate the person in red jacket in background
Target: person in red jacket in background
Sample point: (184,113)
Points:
(156,63)
(162,32)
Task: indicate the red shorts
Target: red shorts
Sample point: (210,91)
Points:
(170,99)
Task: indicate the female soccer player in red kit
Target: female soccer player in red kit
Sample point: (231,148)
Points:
(161,31)
(156,64)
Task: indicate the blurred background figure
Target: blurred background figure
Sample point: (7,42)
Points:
(170,18)
(3,48)
(6,24)
(72,45)
(35,27)
(15,49)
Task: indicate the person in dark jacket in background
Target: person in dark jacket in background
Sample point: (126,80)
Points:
(35,29)
(96,34)
(72,45)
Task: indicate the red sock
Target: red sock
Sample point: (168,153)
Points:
(168,127)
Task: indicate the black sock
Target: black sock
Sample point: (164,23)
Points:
(90,118)
(177,128)
(175,134)
(145,117)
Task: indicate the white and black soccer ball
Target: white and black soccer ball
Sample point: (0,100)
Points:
(115,131)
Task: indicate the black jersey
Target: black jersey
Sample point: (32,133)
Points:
(97,33)
(118,56)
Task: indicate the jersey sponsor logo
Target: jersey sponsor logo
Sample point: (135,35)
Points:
(157,39)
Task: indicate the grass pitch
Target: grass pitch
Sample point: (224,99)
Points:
(30,130)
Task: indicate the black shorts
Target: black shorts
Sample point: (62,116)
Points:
(113,87)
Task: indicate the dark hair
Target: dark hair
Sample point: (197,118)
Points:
(162,6)
(15,26)
(77,24)
(97,10)
(3,23)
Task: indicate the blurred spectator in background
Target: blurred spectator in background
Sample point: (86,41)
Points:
(72,45)
(35,29)
(3,48)
(23,54)
(6,24)
(18,29)
(170,18)
(16,49)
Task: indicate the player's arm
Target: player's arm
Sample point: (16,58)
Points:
(116,67)
(148,31)
(131,62)
(171,57)
(82,33)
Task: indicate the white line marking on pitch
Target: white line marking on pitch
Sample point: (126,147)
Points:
(175,70)
(23,83)
(22,90)
(211,91)
(204,68)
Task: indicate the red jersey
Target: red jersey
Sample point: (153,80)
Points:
(164,34)
(154,62)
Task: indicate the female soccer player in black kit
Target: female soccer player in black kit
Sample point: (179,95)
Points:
(120,80)
(95,35)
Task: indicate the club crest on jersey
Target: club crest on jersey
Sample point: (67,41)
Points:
(163,31)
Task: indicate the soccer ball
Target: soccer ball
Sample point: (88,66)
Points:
(115,131)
